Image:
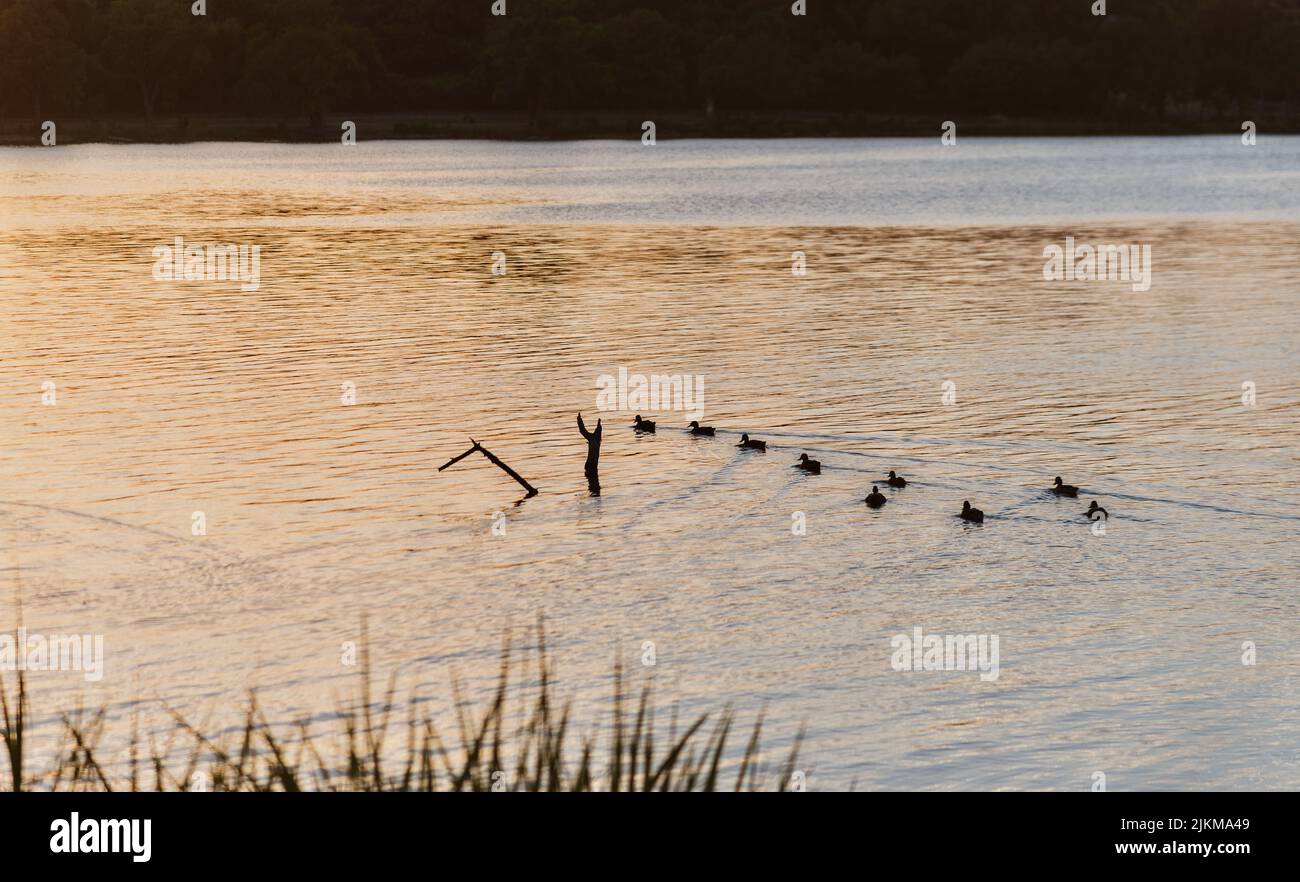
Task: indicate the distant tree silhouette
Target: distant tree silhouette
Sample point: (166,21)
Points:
(305,58)
(42,66)
(153,45)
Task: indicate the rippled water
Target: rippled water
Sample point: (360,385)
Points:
(1118,652)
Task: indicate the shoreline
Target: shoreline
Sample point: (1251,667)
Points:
(606,125)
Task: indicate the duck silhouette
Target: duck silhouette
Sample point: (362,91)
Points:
(896,480)
(875,499)
(747,444)
(811,466)
(697,429)
(974,515)
(1065,489)
(643,425)
(1094,509)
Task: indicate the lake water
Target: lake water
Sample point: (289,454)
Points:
(1119,652)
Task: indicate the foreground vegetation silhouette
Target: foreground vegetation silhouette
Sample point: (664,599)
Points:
(539,753)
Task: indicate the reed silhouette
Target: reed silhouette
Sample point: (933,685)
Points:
(536,753)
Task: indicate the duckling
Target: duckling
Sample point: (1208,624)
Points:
(896,480)
(746,443)
(875,499)
(811,466)
(1065,489)
(974,515)
(643,425)
(1094,509)
(697,429)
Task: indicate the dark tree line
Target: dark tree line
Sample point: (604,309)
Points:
(303,58)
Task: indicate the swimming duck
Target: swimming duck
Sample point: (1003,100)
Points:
(1065,489)
(643,425)
(875,498)
(1094,509)
(896,481)
(974,515)
(697,429)
(811,466)
(746,443)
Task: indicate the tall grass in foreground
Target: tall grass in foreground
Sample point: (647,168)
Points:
(537,753)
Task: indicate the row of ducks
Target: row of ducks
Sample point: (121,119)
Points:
(875,499)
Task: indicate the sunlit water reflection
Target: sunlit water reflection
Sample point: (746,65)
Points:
(1119,653)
